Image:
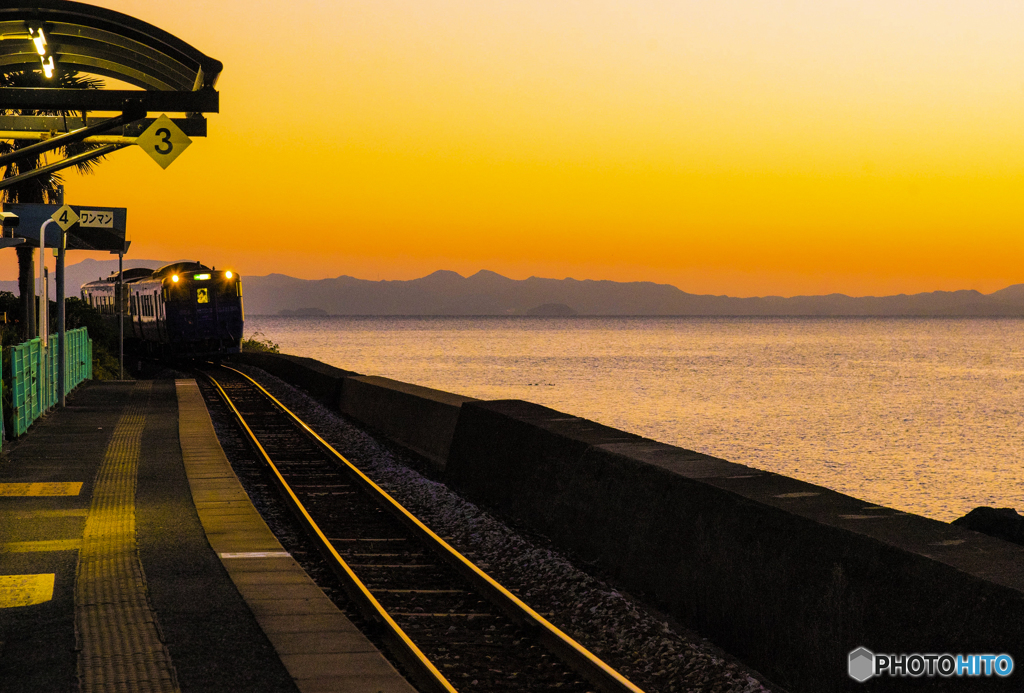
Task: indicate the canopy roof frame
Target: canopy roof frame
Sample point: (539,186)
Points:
(103,42)
(171,74)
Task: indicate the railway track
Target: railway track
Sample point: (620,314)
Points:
(450,625)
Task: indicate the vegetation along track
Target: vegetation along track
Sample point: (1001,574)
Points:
(439,614)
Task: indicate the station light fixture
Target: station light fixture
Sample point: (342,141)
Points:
(42,48)
(39,38)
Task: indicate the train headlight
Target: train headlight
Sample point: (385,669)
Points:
(228,274)
(174,279)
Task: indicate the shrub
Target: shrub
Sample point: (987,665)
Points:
(255,343)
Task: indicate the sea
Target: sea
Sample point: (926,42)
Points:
(919,414)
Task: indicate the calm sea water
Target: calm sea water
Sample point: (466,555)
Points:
(923,415)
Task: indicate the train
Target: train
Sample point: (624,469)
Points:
(184,309)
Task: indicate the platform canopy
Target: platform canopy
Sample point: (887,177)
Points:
(174,75)
(50,35)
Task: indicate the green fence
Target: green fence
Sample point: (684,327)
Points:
(34,375)
(77,357)
(25,405)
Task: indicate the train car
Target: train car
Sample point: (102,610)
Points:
(181,309)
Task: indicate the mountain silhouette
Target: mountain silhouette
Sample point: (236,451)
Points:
(488,293)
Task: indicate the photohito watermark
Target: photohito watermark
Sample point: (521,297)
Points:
(864,664)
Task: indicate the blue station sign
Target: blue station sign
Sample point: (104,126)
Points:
(97,228)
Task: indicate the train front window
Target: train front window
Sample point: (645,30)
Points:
(202,296)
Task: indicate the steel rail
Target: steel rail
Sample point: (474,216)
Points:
(576,655)
(422,669)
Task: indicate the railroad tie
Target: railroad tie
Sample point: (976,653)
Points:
(118,636)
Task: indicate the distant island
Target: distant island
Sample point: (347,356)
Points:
(489,293)
(552,309)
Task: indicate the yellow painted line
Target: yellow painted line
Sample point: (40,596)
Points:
(38,546)
(25,590)
(52,488)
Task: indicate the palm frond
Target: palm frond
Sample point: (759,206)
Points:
(46,188)
(84,167)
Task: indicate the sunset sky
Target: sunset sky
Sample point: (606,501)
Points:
(743,148)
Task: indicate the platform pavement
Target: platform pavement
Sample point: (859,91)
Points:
(107,576)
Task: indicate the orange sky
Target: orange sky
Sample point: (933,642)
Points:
(743,148)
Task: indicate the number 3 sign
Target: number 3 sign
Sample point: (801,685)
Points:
(163,141)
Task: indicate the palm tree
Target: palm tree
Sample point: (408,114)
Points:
(44,189)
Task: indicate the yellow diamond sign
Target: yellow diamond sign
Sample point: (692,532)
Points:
(65,217)
(163,141)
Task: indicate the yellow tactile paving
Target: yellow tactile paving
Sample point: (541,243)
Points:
(50,488)
(117,631)
(43,545)
(25,590)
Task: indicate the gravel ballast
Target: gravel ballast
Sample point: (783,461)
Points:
(655,653)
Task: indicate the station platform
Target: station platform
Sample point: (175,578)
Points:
(132,560)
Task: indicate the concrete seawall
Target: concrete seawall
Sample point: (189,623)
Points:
(417,418)
(788,576)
